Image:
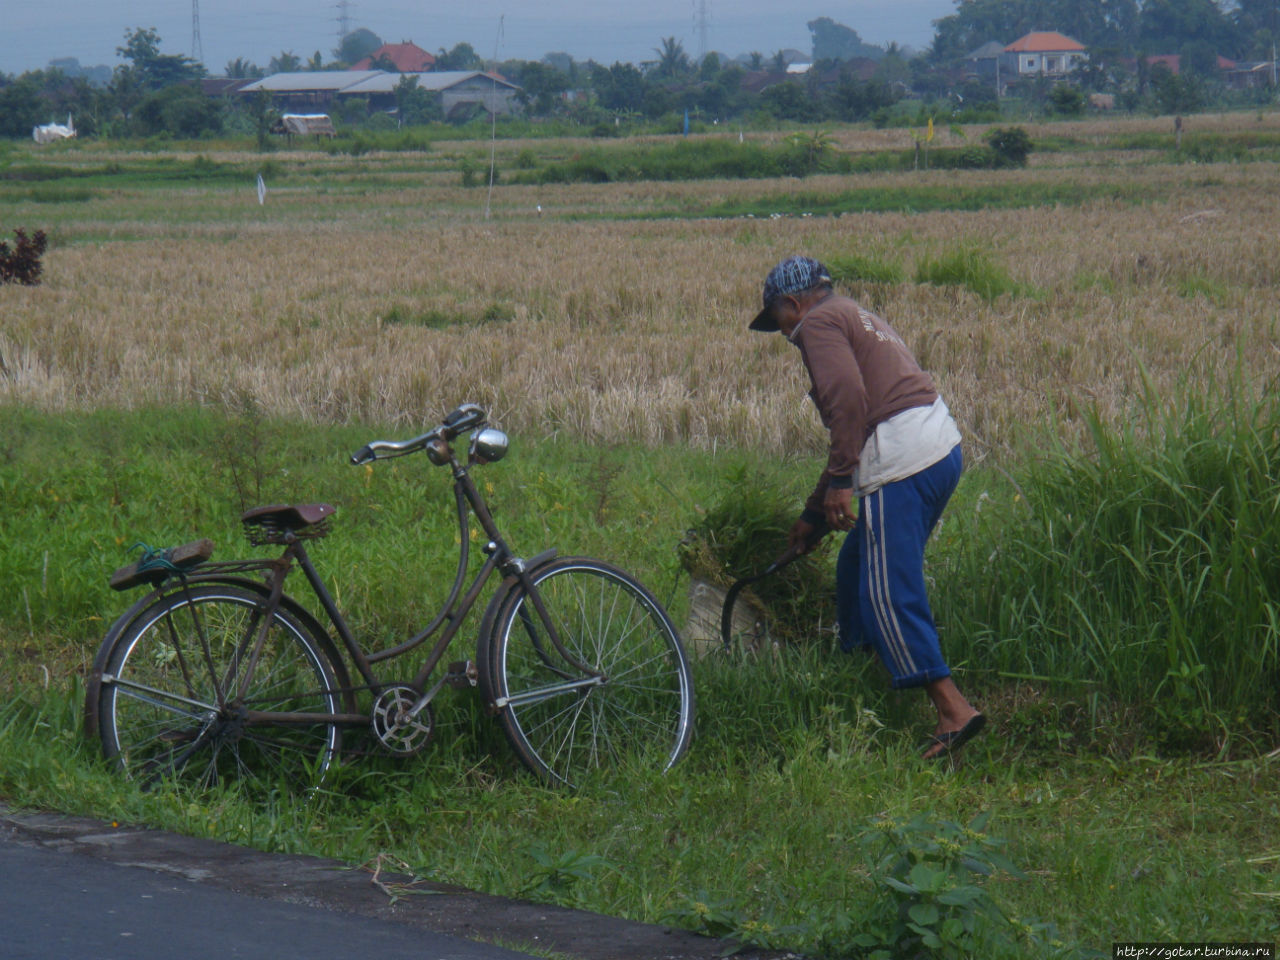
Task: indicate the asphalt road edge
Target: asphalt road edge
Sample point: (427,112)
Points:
(384,895)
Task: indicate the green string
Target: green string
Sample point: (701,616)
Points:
(154,559)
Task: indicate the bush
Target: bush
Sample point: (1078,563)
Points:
(973,157)
(1066,100)
(1011,145)
(22,263)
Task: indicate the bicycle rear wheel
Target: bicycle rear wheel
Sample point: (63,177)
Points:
(171,704)
(624,691)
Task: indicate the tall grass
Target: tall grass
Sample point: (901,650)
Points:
(1140,565)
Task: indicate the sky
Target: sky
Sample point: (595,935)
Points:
(33,32)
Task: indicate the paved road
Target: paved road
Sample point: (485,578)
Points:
(57,905)
(78,889)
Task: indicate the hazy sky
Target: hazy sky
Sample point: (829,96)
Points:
(32,32)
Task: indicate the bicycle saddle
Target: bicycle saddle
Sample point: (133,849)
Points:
(291,517)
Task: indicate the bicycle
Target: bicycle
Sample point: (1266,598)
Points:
(217,673)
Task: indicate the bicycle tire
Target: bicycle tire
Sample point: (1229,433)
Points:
(562,724)
(169,705)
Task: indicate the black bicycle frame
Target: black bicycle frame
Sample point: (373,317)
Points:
(499,557)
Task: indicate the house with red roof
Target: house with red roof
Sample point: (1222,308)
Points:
(1044,54)
(408,58)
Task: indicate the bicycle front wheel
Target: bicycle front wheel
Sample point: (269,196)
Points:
(195,690)
(616,687)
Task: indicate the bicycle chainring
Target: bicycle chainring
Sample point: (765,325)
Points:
(397,732)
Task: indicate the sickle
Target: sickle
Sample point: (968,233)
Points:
(726,613)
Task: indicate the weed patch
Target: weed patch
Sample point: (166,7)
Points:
(971,268)
(861,268)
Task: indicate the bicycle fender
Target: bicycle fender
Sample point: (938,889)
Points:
(509,582)
(93,683)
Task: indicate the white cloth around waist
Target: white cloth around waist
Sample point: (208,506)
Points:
(905,444)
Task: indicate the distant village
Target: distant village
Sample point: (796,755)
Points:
(1140,65)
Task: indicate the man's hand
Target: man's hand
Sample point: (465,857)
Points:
(802,537)
(838,506)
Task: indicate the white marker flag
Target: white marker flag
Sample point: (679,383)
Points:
(262,191)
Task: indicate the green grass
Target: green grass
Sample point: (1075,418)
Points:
(1070,604)
(916,199)
(855,268)
(776,829)
(81,490)
(972,268)
(1141,567)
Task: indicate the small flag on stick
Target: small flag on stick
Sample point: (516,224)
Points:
(262,191)
(928,137)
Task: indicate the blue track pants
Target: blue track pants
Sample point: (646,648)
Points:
(880,590)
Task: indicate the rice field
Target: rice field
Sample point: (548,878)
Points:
(376,289)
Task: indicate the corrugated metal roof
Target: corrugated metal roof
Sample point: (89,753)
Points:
(988,51)
(309,81)
(364,81)
(436,80)
(1044,42)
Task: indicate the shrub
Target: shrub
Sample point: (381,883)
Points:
(22,263)
(467,167)
(1066,100)
(972,157)
(1011,145)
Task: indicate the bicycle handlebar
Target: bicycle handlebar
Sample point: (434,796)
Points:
(465,417)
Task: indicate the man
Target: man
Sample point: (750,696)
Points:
(895,447)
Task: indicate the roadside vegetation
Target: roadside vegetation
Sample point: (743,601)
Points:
(1102,321)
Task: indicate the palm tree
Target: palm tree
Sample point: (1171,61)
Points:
(672,60)
(286,62)
(240,68)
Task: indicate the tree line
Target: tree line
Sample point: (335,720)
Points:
(153,92)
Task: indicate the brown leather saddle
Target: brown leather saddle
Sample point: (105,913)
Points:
(270,524)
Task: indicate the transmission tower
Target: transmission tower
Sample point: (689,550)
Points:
(701,18)
(197,51)
(344,19)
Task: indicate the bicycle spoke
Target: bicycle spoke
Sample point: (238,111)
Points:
(157,733)
(644,703)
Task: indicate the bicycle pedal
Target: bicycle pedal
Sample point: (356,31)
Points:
(461,674)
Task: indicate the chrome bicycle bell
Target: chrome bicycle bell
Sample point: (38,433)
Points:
(488,445)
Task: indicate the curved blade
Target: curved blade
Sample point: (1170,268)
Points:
(730,598)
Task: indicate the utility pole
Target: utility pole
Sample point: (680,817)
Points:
(197,51)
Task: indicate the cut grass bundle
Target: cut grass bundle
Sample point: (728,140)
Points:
(746,530)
